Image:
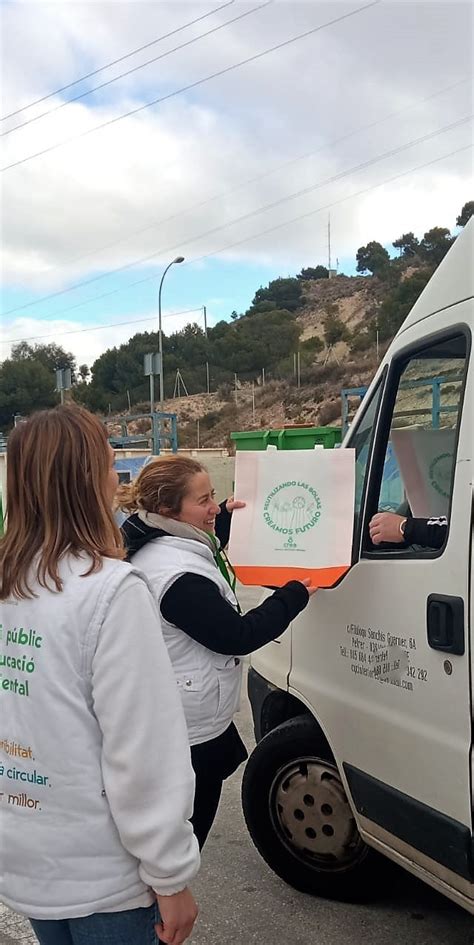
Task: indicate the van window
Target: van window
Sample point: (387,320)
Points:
(360,440)
(418,456)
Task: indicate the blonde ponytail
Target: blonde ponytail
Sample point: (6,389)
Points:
(126,497)
(161,484)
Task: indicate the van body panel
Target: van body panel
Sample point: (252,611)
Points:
(450,884)
(443,840)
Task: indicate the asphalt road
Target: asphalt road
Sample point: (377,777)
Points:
(241,901)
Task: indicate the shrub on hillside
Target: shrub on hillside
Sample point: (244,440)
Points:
(313,273)
(225,392)
(334,330)
(313,344)
(330,412)
(361,342)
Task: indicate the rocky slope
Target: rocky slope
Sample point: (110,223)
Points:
(207,420)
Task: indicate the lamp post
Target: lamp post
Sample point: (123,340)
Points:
(179,259)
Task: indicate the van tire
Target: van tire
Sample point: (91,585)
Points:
(299,818)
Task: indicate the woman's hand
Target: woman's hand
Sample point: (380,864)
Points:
(385,527)
(178,915)
(232,504)
(309,587)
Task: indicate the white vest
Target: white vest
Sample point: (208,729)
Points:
(61,854)
(209,683)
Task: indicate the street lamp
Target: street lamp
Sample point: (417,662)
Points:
(179,259)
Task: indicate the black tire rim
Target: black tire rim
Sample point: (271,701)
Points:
(312,816)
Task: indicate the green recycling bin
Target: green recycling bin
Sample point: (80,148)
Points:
(289,438)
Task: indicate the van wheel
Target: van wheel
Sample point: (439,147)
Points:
(299,818)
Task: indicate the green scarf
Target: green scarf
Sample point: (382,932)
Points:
(224,566)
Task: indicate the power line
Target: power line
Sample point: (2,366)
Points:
(122,75)
(192,85)
(274,170)
(245,216)
(80,331)
(115,62)
(277,226)
(328,206)
(353,170)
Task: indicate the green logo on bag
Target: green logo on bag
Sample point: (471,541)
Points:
(440,474)
(291,509)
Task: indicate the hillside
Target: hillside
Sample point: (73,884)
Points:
(211,418)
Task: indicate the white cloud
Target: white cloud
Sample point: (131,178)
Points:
(87,344)
(60,209)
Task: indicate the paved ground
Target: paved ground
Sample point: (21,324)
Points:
(242,902)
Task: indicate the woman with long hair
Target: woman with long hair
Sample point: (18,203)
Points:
(96,783)
(174,537)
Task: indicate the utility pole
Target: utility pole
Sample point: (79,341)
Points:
(208,385)
(299,369)
(152,393)
(329,242)
(263,377)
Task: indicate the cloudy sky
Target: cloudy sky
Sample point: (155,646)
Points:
(236,165)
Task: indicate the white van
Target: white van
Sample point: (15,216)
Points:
(363,710)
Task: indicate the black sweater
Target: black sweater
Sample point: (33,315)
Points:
(195,605)
(427,532)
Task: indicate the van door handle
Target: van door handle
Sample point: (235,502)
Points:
(445,623)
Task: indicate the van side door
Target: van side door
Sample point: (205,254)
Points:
(383,659)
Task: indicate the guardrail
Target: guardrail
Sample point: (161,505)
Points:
(163,432)
(436,408)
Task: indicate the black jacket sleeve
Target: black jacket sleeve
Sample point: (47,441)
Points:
(223,520)
(194,604)
(429,533)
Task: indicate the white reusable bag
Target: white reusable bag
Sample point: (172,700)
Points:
(299,515)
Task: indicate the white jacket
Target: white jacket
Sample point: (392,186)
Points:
(96,784)
(209,682)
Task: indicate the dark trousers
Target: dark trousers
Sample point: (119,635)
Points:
(213,762)
(206,801)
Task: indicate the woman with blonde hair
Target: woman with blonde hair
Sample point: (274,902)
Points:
(174,537)
(96,784)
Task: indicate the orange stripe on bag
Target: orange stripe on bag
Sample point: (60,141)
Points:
(276,577)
